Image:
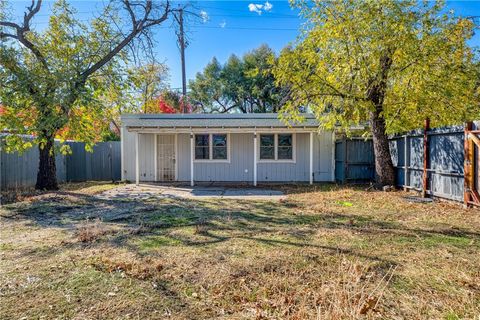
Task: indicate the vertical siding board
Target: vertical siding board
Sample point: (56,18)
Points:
(299,171)
(183,157)
(147,166)
(242,159)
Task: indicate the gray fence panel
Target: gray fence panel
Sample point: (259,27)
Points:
(61,166)
(339,160)
(354,159)
(116,160)
(360,159)
(445,164)
(415,164)
(19,170)
(445,168)
(103,164)
(76,165)
(397,149)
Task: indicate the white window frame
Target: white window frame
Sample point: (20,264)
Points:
(210,148)
(276,160)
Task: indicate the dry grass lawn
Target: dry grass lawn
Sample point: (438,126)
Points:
(327,252)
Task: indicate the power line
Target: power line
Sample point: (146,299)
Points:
(208,27)
(247,28)
(264,16)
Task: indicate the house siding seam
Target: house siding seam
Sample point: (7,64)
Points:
(240,168)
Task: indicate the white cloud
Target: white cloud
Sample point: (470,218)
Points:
(223,24)
(204,16)
(253,7)
(267,6)
(260,8)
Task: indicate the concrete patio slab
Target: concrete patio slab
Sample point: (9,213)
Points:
(146,191)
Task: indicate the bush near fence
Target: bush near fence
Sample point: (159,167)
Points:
(19,170)
(445,166)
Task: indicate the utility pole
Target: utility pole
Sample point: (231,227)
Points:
(181,40)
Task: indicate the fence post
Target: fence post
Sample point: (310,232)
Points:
(425,157)
(468,165)
(405,163)
(345,160)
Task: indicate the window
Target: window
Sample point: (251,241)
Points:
(267,146)
(277,147)
(211,147)
(285,147)
(202,149)
(219,145)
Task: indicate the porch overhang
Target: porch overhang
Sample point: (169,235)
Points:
(221,129)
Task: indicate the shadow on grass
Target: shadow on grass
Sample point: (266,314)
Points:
(171,221)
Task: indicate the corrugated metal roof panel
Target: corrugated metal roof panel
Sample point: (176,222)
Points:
(213,120)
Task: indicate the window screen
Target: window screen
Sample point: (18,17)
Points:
(267,146)
(285,147)
(202,147)
(219,146)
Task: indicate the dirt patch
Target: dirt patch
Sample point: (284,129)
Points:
(327,252)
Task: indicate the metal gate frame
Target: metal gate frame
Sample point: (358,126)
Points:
(175,155)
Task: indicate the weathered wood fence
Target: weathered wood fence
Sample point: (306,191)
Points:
(19,171)
(432,161)
(354,160)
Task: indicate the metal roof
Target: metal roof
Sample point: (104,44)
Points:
(196,120)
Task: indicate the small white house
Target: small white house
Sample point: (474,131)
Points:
(248,148)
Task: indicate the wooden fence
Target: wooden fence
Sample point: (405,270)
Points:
(19,170)
(354,160)
(432,161)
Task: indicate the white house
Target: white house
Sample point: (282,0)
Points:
(249,148)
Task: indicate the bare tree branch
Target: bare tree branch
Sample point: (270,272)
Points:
(22,30)
(138,26)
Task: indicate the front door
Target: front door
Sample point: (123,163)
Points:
(166,157)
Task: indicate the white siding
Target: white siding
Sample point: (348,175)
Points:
(240,167)
(146,156)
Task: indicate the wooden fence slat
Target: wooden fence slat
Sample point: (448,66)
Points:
(425,157)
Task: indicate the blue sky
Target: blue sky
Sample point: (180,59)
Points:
(233,27)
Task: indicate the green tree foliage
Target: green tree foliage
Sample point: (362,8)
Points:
(148,82)
(54,82)
(242,84)
(391,63)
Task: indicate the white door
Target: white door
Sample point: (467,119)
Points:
(166,157)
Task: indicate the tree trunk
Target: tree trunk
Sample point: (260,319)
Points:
(47,171)
(384,171)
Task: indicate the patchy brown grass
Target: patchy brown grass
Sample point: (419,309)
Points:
(326,252)
(25,194)
(90,231)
